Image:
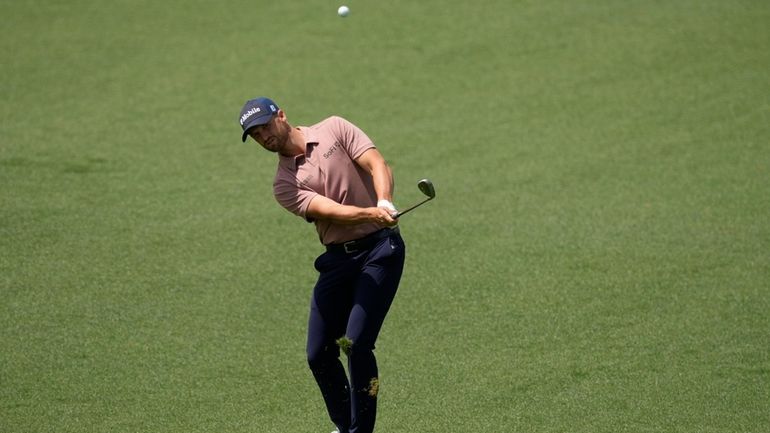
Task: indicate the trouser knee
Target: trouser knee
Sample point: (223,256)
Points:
(360,351)
(318,359)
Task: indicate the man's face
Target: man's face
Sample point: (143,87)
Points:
(273,134)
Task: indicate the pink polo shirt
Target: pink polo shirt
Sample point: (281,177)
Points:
(328,168)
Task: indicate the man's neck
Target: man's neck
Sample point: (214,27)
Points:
(296,145)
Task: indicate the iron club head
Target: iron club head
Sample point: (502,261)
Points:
(426,186)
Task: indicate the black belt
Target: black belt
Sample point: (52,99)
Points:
(362,244)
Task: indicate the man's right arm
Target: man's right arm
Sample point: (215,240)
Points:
(324,208)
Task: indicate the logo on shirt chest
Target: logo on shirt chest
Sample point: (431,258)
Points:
(331,151)
(306,180)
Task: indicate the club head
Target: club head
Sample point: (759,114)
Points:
(426,186)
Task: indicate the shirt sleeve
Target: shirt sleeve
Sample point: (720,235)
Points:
(351,137)
(293,198)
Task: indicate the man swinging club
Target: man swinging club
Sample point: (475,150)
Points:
(331,174)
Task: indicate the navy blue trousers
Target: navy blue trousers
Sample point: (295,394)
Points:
(350,300)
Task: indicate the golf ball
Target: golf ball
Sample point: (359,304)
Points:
(343,11)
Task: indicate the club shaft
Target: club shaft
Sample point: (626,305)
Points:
(413,207)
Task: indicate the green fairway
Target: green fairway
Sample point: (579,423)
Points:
(597,258)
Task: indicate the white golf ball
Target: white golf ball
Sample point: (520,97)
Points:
(343,11)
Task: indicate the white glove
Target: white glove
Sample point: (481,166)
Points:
(387,205)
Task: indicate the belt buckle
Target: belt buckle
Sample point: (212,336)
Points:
(349,247)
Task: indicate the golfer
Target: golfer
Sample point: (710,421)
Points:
(331,174)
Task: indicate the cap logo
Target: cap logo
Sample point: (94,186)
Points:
(250,113)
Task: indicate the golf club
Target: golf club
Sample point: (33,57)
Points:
(426,187)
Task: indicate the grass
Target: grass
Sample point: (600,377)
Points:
(595,260)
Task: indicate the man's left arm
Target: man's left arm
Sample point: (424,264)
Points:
(373,162)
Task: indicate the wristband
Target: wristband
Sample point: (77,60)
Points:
(385,204)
